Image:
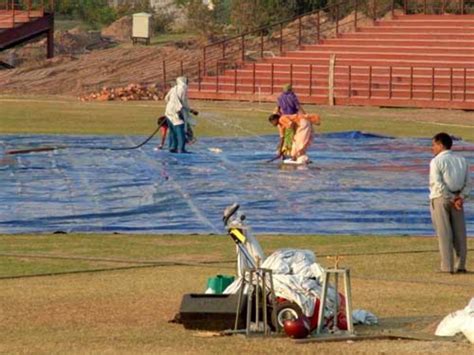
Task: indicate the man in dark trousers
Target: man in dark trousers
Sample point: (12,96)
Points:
(449,187)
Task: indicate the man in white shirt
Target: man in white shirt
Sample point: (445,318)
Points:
(449,187)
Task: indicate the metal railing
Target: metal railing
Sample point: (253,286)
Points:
(19,11)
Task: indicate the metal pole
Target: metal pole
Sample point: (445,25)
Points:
(199,76)
(217,76)
(271,79)
(291,74)
(164,75)
(204,61)
(451,84)
(235,78)
(299,31)
(390,81)
(432,82)
(350,81)
(318,18)
(356,6)
(253,79)
(281,38)
(465,82)
(370,81)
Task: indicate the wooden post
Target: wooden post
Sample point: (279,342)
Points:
(223,50)
(181,67)
(261,44)
(332,63)
(50,40)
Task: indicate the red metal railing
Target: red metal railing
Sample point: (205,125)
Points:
(13,12)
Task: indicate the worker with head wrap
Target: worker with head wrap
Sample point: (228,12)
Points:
(287,104)
(178,114)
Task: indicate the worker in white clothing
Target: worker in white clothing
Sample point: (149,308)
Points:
(449,188)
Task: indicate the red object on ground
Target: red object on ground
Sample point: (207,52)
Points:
(341,315)
(297,328)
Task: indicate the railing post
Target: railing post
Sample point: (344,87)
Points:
(253,78)
(243,48)
(461,4)
(223,50)
(261,44)
(432,83)
(299,31)
(374,9)
(271,78)
(199,76)
(370,81)
(164,75)
(217,76)
(181,67)
(291,74)
(204,61)
(390,82)
(443,9)
(451,84)
(13,13)
(318,24)
(424,7)
(465,82)
(405,7)
(281,38)
(356,7)
(235,78)
(349,86)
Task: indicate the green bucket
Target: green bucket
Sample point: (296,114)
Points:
(219,283)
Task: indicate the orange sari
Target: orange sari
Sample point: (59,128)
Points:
(303,125)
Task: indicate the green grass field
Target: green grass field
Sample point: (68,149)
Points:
(90,293)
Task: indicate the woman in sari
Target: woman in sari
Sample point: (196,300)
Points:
(302,124)
(288,104)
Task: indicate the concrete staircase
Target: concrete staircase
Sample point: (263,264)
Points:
(408,61)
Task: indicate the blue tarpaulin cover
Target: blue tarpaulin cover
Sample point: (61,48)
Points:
(357,184)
